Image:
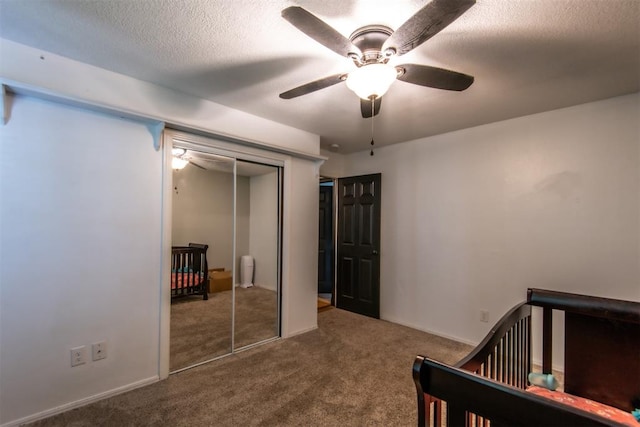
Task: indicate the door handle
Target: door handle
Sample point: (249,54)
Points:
(374,252)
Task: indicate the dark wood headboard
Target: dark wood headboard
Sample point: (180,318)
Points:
(601,336)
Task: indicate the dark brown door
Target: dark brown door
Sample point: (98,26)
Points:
(358,287)
(325,241)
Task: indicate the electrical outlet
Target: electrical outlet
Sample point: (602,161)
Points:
(99,350)
(78,356)
(484,316)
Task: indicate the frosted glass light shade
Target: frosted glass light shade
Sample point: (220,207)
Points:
(178,163)
(371,80)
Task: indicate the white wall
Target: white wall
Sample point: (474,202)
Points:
(333,166)
(243,220)
(80,229)
(300,247)
(472,218)
(263,240)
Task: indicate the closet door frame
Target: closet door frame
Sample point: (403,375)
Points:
(235,151)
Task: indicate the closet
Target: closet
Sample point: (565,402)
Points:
(228,202)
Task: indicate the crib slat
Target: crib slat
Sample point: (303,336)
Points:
(547,339)
(492,363)
(518,356)
(499,361)
(525,352)
(455,415)
(504,359)
(436,413)
(529,345)
(514,364)
(507,378)
(514,355)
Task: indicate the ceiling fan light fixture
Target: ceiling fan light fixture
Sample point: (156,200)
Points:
(178,163)
(371,80)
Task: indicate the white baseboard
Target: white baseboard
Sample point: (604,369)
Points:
(438,334)
(82,402)
(303,331)
(267,287)
(534,361)
(537,363)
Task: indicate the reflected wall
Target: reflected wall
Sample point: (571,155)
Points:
(257,303)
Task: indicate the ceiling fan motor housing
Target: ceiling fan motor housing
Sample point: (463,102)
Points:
(369,40)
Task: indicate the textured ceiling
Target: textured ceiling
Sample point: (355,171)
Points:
(527,56)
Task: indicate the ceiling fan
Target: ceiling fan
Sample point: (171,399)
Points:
(371,47)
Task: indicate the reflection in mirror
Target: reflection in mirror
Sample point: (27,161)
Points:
(202,297)
(257,249)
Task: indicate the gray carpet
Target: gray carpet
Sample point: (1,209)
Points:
(201,330)
(351,371)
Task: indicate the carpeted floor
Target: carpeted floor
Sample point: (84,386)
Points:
(351,371)
(201,330)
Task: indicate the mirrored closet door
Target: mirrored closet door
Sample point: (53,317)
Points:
(225,255)
(202,214)
(257,243)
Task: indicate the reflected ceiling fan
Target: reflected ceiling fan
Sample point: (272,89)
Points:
(371,47)
(181,158)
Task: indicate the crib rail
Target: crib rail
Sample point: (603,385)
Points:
(503,355)
(614,330)
(473,398)
(487,388)
(606,308)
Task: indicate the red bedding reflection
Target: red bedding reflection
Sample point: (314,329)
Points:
(185,280)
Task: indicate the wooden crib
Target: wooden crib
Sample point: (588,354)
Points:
(489,386)
(189,271)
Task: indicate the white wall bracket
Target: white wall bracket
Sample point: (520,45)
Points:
(156,129)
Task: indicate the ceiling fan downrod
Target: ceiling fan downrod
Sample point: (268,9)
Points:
(373,98)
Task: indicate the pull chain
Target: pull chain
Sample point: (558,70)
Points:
(372,114)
